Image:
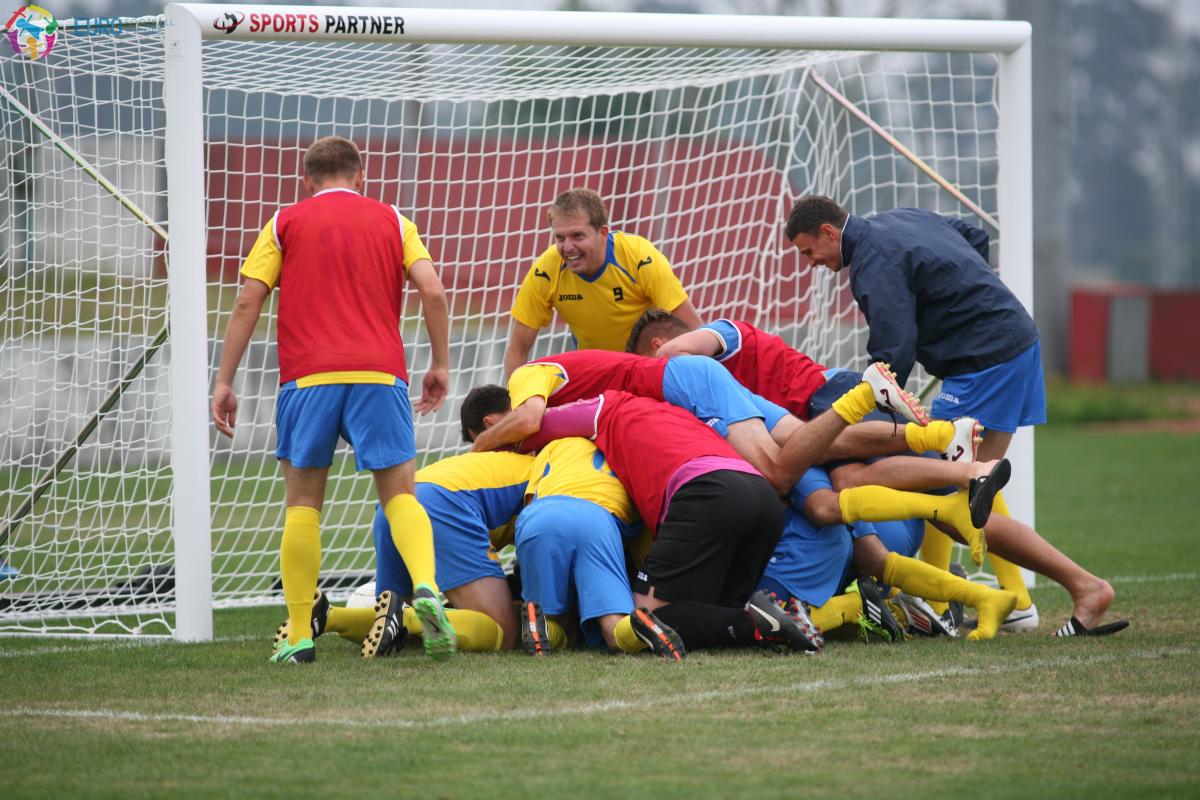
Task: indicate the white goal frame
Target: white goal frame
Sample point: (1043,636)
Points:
(188,24)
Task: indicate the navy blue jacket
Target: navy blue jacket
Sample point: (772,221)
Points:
(924,284)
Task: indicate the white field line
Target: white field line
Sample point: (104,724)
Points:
(1173,576)
(588,709)
(84,647)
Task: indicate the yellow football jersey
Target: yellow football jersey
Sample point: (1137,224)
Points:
(534,380)
(477,471)
(573,467)
(600,310)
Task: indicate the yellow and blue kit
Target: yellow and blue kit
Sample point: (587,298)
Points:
(570,537)
(466,497)
(600,309)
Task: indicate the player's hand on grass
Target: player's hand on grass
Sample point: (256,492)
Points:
(224,409)
(434,389)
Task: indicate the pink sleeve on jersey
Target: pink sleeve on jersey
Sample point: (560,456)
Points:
(573,419)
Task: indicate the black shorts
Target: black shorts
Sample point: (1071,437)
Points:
(713,545)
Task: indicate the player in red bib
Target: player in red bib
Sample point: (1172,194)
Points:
(341,262)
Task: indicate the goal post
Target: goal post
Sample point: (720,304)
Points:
(698,130)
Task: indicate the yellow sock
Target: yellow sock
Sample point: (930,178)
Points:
(1007,573)
(627,640)
(838,611)
(558,636)
(879,504)
(299,564)
(350,623)
(477,632)
(923,580)
(412,534)
(935,551)
(855,404)
(937,435)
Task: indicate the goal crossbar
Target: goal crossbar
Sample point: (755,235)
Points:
(470,26)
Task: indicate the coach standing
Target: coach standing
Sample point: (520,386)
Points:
(924,284)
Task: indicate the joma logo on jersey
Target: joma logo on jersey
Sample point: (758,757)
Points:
(949,398)
(563,297)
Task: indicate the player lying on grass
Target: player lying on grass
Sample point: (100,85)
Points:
(815,560)
(715,520)
(768,366)
(465,497)
(1019,543)
(710,393)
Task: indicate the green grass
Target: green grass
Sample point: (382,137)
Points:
(1068,403)
(1024,716)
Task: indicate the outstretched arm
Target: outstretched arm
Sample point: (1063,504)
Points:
(246,311)
(524,421)
(520,342)
(435,309)
(703,342)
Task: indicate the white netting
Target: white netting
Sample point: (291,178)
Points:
(699,150)
(83,295)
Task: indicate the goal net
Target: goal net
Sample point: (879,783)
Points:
(701,150)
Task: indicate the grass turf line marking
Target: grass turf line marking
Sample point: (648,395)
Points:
(109,645)
(586,709)
(1173,576)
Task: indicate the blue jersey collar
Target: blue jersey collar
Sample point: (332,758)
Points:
(609,258)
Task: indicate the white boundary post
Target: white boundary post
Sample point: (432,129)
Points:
(186,23)
(1015,189)
(182,96)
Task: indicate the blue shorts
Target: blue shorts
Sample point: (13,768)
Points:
(814,564)
(903,536)
(809,563)
(460,545)
(1004,397)
(375,419)
(705,388)
(572,556)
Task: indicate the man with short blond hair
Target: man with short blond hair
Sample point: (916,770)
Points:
(598,281)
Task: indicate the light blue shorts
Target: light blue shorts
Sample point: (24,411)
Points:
(460,545)
(572,555)
(809,563)
(375,419)
(1004,397)
(814,564)
(903,536)
(706,389)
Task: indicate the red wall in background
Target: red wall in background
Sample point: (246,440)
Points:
(1175,335)
(1172,343)
(482,207)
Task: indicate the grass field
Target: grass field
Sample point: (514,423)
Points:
(1024,716)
